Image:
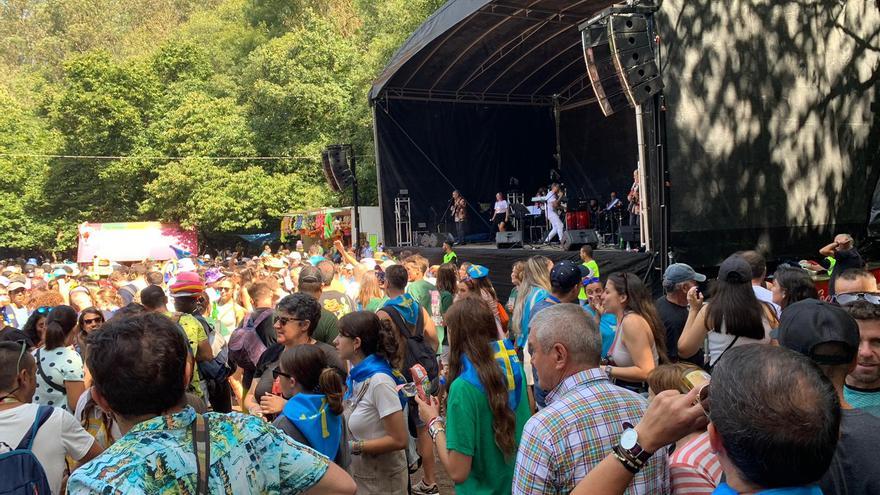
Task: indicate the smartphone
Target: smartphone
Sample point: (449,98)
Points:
(695,379)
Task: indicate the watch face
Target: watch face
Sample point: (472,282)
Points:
(629,439)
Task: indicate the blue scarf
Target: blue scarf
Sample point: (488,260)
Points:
(725,489)
(312,417)
(534,295)
(407,307)
(371,365)
(506,358)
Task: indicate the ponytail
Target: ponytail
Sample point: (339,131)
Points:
(390,347)
(330,384)
(60,322)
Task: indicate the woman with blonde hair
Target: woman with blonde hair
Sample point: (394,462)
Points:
(534,287)
(370,296)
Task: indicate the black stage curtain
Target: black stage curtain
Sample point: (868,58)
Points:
(432,148)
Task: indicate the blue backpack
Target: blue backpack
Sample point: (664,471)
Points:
(20,470)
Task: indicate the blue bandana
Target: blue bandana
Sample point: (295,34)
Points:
(506,358)
(725,489)
(312,417)
(371,365)
(407,307)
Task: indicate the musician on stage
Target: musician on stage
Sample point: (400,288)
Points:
(500,215)
(459,215)
(552,215)
(612,212)
(634,206)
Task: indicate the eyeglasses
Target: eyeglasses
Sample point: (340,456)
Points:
(703,398)
(277,372)
(284,320)
(44,310)
(20,355)
(843,299)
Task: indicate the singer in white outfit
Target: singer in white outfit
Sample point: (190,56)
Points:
(552,216)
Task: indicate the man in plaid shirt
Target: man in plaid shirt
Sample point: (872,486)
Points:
(585,412)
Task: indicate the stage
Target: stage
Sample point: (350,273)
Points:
(500,261)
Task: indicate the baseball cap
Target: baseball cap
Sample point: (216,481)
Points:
(295,256)
(477,271)
(807,324)
(681,272)
(567,274)
(735,269)
(14,286)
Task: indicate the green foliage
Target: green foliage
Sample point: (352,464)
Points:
(168,84)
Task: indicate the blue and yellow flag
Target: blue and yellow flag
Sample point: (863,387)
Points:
(505,356)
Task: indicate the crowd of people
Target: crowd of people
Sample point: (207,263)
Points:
(327,371)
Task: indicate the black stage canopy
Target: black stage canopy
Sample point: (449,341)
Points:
(770,133)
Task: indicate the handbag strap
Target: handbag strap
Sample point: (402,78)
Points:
(46,378)
(202,448)
(729,346)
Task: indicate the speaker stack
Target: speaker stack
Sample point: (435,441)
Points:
(572,240)
(620,59)
(335,166)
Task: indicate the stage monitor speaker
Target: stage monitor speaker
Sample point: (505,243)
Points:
(335,166)
(620,61)
(631,233)
(509,239)
(572,240)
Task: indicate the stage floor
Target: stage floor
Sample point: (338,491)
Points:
(500,261)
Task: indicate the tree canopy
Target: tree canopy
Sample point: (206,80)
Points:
(212,114)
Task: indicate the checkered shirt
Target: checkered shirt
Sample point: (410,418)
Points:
(576,431)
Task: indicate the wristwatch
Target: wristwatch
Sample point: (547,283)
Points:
(629,443)
(608,370)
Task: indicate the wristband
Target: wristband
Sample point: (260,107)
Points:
(356,447)
(631,465)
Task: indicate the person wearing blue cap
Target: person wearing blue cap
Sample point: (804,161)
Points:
(477,282)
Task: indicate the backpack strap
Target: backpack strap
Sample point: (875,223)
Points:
(45,377)
(43,415)
(260,319)
(202,449)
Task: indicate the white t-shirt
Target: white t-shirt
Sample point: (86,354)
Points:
(501,206)
(379,401)
(95,419)
(59,436)
(551,198)
(60,364)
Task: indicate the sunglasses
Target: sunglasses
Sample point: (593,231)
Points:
(843,299)
(224,289)
(44,310)
(284,320)
(277,372)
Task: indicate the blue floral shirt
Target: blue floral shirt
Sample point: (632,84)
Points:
(247,455)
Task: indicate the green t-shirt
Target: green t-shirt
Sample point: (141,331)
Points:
(446,300)
(421,292)
(376,303)
(469,432)
(450,257)
(593,268)
(328,327)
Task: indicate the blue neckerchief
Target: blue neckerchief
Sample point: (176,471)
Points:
(407,307)
(506,358)
(312,417)
(534,295)
(371,365)
(725,489)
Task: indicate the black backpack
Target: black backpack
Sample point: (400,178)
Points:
(417,350)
